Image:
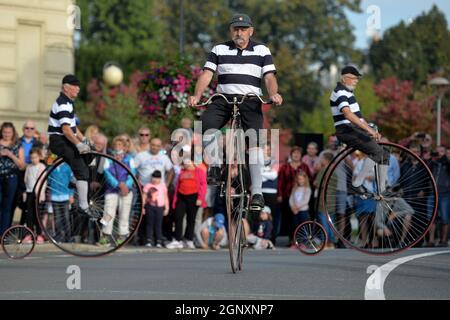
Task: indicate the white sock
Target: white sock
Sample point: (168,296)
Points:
(82,189)
(383,170)
(256,163)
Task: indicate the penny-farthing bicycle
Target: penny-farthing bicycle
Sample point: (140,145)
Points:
(237,196)
(83,234)
(380,221)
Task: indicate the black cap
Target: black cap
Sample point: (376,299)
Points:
(351,70)
(241,20)
(156,174)
(71,79)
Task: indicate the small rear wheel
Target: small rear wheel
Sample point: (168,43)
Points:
(18,242)
(310,237)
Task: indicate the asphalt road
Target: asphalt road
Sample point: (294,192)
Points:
(283,274)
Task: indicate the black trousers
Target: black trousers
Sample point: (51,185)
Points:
(286,219)
(30,213)
(62,147)
(359,139)
(270,200)
(153,222)
(62,220)
(219,113)
(185,205)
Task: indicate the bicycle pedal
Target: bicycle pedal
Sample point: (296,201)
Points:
(255,208)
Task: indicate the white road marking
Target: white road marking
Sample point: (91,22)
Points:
(48,294)
(375,283)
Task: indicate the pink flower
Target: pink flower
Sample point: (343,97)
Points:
(153,96)
(181,83)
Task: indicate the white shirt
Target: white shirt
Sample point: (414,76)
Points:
(32,173)
(300,198)
(146,163)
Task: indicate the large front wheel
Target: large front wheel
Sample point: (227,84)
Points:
(379,221)
(84,233)
(236,199)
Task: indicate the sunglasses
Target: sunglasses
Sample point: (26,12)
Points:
(144,134)
(29,128)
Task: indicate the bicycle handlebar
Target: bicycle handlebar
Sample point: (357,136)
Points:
(235,101)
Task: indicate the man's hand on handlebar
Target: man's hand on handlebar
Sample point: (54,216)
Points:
(83,148)
(374,134)
(193,101)
(277,99)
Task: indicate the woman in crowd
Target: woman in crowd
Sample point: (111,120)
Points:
(12,160)
(286,180)
(118,192)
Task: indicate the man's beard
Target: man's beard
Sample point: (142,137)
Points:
(238,41)
(351,88)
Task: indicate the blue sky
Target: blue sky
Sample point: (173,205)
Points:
(391,12)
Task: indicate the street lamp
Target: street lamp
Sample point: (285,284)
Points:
(442,86)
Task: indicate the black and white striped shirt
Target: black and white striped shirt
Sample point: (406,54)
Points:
(342,97)
(62,113)
(240,71)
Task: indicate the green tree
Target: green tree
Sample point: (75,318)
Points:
(412,52)
(305,36)
(126,32)
(300,34)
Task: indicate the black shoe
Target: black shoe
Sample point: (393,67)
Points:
(84,212)
(88,213)
(360,191)
(257,202)
(393,190)
(214,176)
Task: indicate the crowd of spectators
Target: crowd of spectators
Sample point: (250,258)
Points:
(181,210)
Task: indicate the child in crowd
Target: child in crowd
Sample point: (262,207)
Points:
(32,173)
(365,208)
(156,201)
(61,196)
(212,233)
(189,194)
(118,194)
(326,159)
(299,199)
(264,226)
(260,239)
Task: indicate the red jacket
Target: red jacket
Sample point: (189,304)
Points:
(201,186)
(286,178)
